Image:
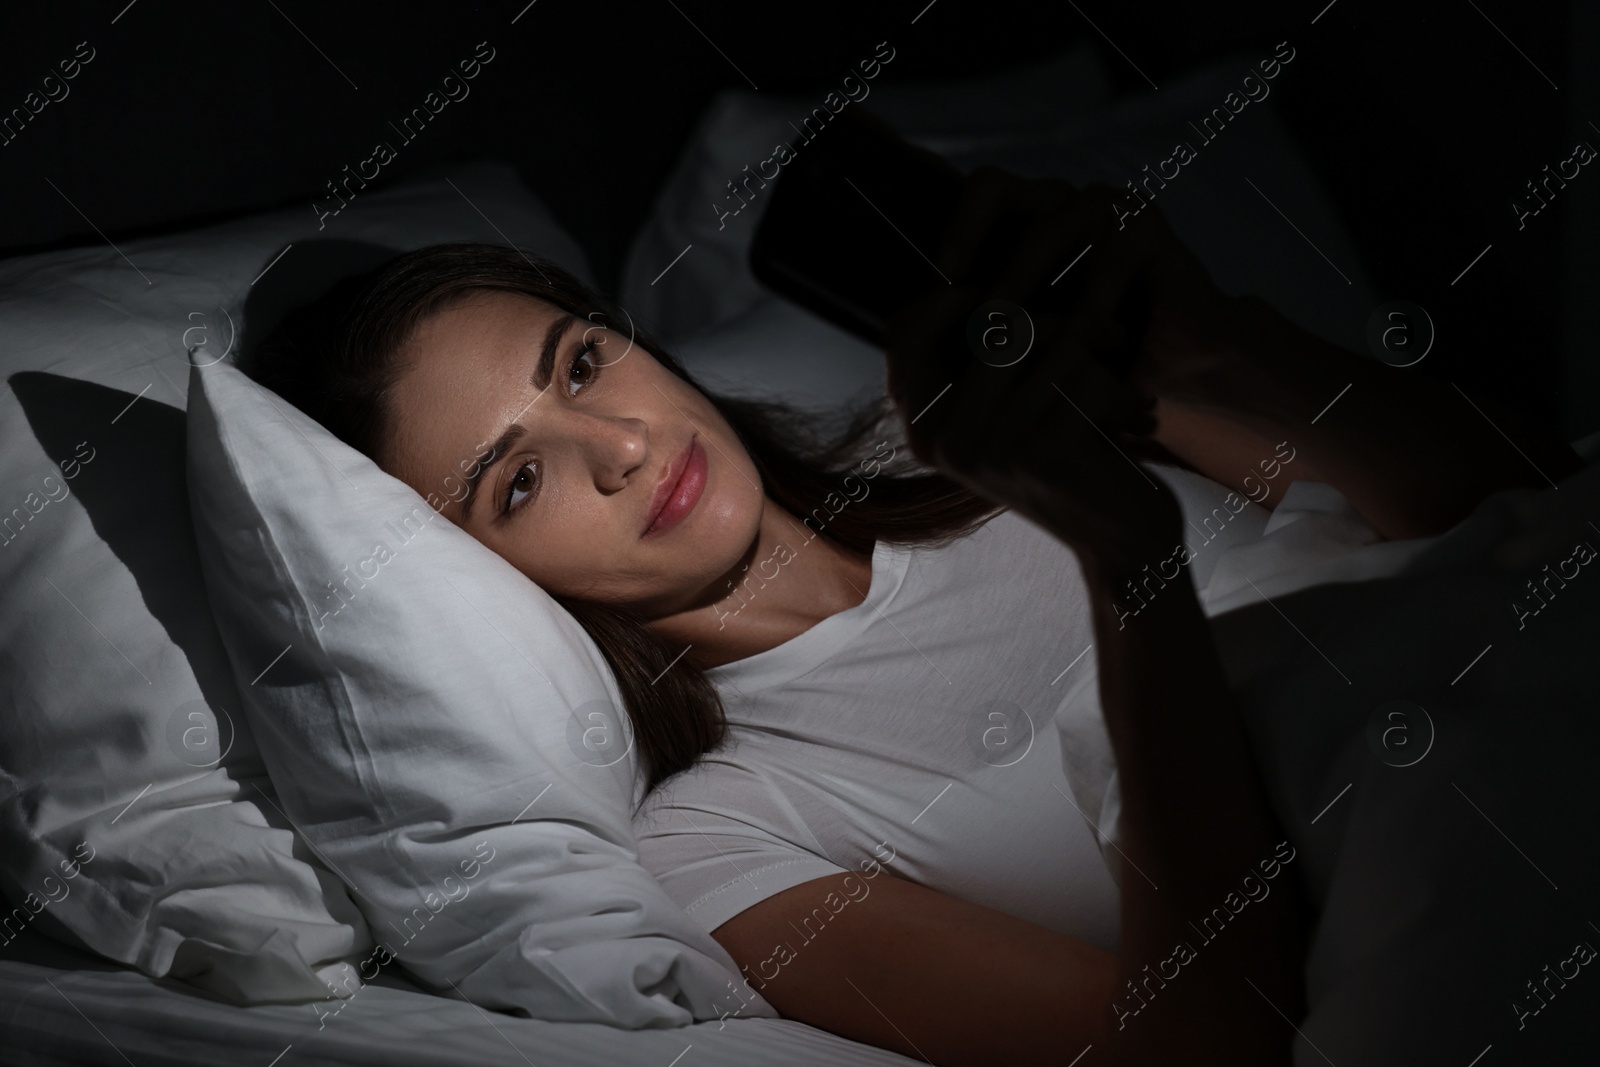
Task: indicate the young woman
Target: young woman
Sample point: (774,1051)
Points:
(841,662)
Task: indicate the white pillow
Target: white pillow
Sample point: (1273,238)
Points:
(119,704)
(775,349)
(426,725)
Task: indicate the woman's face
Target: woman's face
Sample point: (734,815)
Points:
(587,425)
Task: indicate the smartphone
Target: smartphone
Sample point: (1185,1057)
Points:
(854,222)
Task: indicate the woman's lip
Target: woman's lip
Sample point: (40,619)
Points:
(680,498)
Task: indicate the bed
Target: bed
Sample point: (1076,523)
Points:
(1406,860)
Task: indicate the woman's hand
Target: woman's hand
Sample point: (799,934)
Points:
(1232,376)
(1038,434)
(1039,428)
(1194,352)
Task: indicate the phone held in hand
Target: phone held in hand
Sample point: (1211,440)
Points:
(855,220)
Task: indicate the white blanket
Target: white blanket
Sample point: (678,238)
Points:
(127,1017)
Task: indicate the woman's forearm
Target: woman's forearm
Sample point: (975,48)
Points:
(1414,456)
(1196,835)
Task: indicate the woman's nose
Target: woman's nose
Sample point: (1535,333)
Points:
(617,447)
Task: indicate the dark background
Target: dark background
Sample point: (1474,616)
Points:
(1424,119)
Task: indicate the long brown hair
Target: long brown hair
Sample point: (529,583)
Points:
(336,360)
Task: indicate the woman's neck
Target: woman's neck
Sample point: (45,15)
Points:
(790,580)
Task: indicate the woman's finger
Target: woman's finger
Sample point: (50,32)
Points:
(1103,402)
(996,344)
(1051,406)
(1124,252)
(918,334)
(1071,231)
(1064,226)
(990,193)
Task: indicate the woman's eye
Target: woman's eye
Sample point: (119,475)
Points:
(522,481)
(590,369)
(583,370)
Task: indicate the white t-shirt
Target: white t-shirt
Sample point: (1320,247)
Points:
(925,729)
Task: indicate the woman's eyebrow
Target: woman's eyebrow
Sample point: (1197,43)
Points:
(547,352)
(497,452)
(508,437)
